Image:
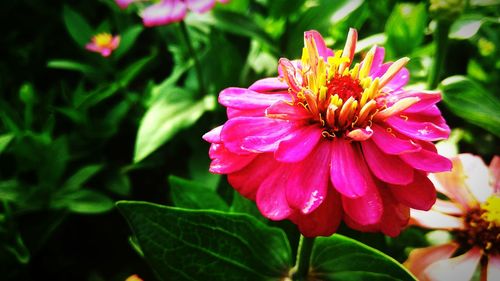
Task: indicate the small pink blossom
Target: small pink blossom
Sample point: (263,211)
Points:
(328,140)
(103,43)
(167,11)
(472,213)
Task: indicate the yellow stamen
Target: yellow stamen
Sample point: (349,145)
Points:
(492,209)
(367,63)
(393,70)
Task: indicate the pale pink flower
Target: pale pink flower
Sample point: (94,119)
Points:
(103,43)
(329,139)
(167,11)
(472,213)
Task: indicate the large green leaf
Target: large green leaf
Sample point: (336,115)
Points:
(185,244)
(193,195)
(405,29)
(77,26)
(166,117)
(339,258)
(472,102)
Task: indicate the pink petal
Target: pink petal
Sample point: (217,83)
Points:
(299,144)
(348,172)
(213,136)
(323,221)
(247,180)
(426,131)
(420,259)
(306,187)
(165,12)
(284,110)
(452,184)
(271,196)
(241,98)
(426,100)
(233,113)
(447,207)
(243,134)
(460,268)
(435,220)
(200,6)
(388,168)
(224,161)
(493,270)
(495,171)
(323,50)
(123,4)
(399,80)
(378,59)
(269,85)
(367,209)
(420,194)
(390,143)
(427,161)
(477,176)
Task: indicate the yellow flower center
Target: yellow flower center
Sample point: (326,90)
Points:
(492,210)
(342,99)
(482,227)
(103,39)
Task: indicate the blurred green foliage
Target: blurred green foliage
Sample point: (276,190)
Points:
(79,132)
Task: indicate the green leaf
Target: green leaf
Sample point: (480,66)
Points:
(5,140)
(245,206)
(84,201)
(193,195)
(81,176)
(72,65)
(405,29)
(77,26)
(167,116)
(466,26)
(185,244)
(341,258)
(128,38)
(470,101)
(133,70)
(10,190)
(241,24)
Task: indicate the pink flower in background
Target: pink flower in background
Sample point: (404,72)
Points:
(167,11)
(472,213)
(103,43)
(329,139)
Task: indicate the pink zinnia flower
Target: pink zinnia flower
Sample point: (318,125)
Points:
(472,213)
(103,43)
(168,11)
(329,139)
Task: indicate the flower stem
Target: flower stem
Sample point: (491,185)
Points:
(197,65)
(303,258)
(441,39)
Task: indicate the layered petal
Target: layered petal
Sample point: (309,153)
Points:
(324,220)
(418,129)
(493,269)
(366,209)
(427,160)
(225,162)
(435,220)
(388,168)
(164,12)
(460,268)
(244,99)
(269,85)
(478,176)
(306,186)
(420,259)
(200,6)
(390,143)
(271,195)
(299,145)
(248,179)
(420,194)
(348,173)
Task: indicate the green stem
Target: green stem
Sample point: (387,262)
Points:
(441,39)
(303,258)
(197,65)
